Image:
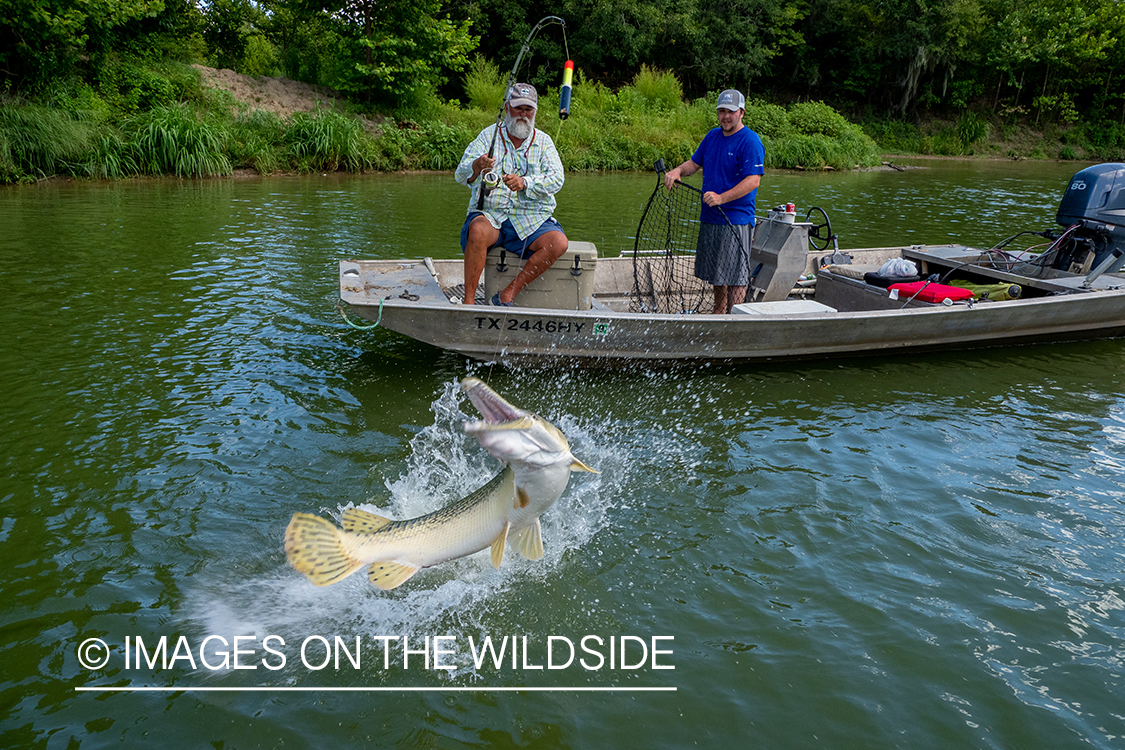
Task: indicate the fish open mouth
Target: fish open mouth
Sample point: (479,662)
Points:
(492,407)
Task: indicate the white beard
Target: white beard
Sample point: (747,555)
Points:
(518,127)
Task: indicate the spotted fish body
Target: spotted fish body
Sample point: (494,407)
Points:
(537,465)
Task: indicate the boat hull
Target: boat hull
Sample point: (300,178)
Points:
(607,338)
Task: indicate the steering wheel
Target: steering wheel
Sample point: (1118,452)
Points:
(821,232)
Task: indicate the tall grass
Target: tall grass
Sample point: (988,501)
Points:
(37,141)
(175,139)
(256,141)
(109,157)
(327,140)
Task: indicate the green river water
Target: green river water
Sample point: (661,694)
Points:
(900,552)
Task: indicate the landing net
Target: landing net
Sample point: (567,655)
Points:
(664,254)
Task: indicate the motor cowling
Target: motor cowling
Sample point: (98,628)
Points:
(1095,201)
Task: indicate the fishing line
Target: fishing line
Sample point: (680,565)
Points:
(495,177)
(491,176)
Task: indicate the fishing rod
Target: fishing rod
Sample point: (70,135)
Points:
(491,178)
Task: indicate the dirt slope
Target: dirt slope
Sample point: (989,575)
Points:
(281,96)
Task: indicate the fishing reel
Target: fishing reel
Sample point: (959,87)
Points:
(491,179)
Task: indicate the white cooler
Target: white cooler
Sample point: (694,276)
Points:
(567,285)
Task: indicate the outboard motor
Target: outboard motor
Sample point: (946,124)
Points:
(1095,201)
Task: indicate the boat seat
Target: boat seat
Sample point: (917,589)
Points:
(855,271)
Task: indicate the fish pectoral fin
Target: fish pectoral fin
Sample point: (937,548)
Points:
(498,547)
(387,575)
(314,547)
(529,541)
(361,522)
(522,498)
(577,465)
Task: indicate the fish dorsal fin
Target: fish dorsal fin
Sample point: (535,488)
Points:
(529,541)
(522,498)
(498,547)
(387,575)
(577,465)
(361,522)
(315,547)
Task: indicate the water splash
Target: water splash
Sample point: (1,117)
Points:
(460,598)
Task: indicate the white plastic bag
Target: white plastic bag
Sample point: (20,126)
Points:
(898,268)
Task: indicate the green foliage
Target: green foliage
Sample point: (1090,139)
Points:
(37,141)
(43,40)
(441,146)
(591,96)
(817,118)
(659,90)
(129,86)
(1058,108)
(174,139)
(77,97)
(971,129)
(256,140)
(484,85)
(816,152)
(895,136)
(260,57)
(109,157)
(327,141)
(390,50)
(226,30)
(768,120)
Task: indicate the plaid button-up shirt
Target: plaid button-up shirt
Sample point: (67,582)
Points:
(536,161)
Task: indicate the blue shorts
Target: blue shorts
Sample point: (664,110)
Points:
(508,239)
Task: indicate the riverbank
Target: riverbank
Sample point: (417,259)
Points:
(194,121)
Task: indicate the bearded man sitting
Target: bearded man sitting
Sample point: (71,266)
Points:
(517,212)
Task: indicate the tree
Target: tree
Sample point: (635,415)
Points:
(44,38)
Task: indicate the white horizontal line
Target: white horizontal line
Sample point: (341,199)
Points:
(191,689)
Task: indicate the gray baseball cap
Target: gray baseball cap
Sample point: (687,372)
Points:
(523,94)
(732,100)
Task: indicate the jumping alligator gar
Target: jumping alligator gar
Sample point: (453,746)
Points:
(537,465)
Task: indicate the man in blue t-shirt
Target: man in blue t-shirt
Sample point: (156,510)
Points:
(733,162)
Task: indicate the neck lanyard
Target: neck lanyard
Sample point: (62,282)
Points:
(526,151)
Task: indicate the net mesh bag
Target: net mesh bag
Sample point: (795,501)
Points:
(664,253)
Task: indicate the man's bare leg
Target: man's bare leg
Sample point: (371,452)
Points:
(720,293)
(726,297)
(482,235)
(548,248)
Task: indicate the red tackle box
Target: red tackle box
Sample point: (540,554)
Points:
(931,292)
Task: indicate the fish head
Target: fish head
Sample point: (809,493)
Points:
(513,435)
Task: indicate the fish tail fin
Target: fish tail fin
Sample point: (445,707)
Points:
(315,547)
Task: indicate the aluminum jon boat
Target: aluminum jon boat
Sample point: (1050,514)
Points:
(801,302)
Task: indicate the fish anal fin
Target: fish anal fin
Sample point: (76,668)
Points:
(361,522)
(529,541)
(387,575)
(315,548)
(577,465)
(522,498)
(498,547)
